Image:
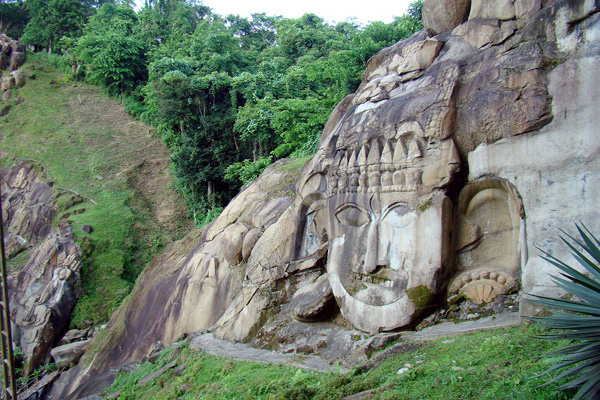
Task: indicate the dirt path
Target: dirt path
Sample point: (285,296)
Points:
(241,351)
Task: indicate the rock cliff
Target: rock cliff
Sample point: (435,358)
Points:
(43,291)
(12,57)
(464,148)
(29,208)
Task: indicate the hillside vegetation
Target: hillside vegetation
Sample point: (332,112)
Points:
(88,144)
(490,365)
(228,95)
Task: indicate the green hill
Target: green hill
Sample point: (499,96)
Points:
(87,143)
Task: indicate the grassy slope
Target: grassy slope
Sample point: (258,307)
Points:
(498,364)
(88,144)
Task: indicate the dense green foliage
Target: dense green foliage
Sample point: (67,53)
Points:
(52,20)
(222,91)
(13,18)
(486,365)
(112,50)
(578,320)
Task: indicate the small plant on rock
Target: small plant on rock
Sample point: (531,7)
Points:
(576,318)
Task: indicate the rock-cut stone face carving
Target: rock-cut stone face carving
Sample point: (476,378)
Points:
(387,229)
(382,172)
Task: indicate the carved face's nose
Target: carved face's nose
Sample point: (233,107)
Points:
(370,261)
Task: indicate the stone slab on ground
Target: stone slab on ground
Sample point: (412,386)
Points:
(241,351)
(156,373)
(45,381)
(451,329)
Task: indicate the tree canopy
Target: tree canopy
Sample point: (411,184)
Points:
(227,94)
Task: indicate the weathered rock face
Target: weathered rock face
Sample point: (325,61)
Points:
(209,269)
(12,57)
(28,207)
(43,294)
(43,291)
(68,354)
(488,235)
(441,16)
(14,53)
(385,167)
(455,157)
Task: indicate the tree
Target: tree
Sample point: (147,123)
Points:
(112,51)
(13,18)
(164,23)
(53,19)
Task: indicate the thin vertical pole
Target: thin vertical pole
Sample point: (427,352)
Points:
(8,359)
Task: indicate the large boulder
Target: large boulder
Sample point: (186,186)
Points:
(17,59)
(7,82)
(12,53)
(444,15)
(68,354)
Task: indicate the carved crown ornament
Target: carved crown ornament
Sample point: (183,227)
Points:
(385,164)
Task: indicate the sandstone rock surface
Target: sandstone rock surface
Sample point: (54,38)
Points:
(205,269)
(28,207)
(69,354)
(43,293)
(13,53)
(442,15)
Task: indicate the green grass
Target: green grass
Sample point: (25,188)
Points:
(86,142)
(498,364)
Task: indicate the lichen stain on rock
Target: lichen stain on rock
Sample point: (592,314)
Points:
(420,296)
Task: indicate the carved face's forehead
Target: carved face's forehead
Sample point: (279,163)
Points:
(424,101)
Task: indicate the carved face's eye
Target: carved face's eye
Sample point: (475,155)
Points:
(399,215)
(352,214)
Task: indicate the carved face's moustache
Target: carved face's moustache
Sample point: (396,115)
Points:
(383,276)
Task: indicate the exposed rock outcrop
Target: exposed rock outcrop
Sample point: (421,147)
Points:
(68,354)
(12,57)
(28,207)
(457,155)
(43,291)
(208,270)
(13,53)
(441,16)
(43,294)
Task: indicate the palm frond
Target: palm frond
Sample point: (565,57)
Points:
(576,319)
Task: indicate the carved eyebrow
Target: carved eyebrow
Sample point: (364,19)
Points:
(352,214)
(394,206)
(345,206)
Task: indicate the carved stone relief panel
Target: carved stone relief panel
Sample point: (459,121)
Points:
(488,242)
